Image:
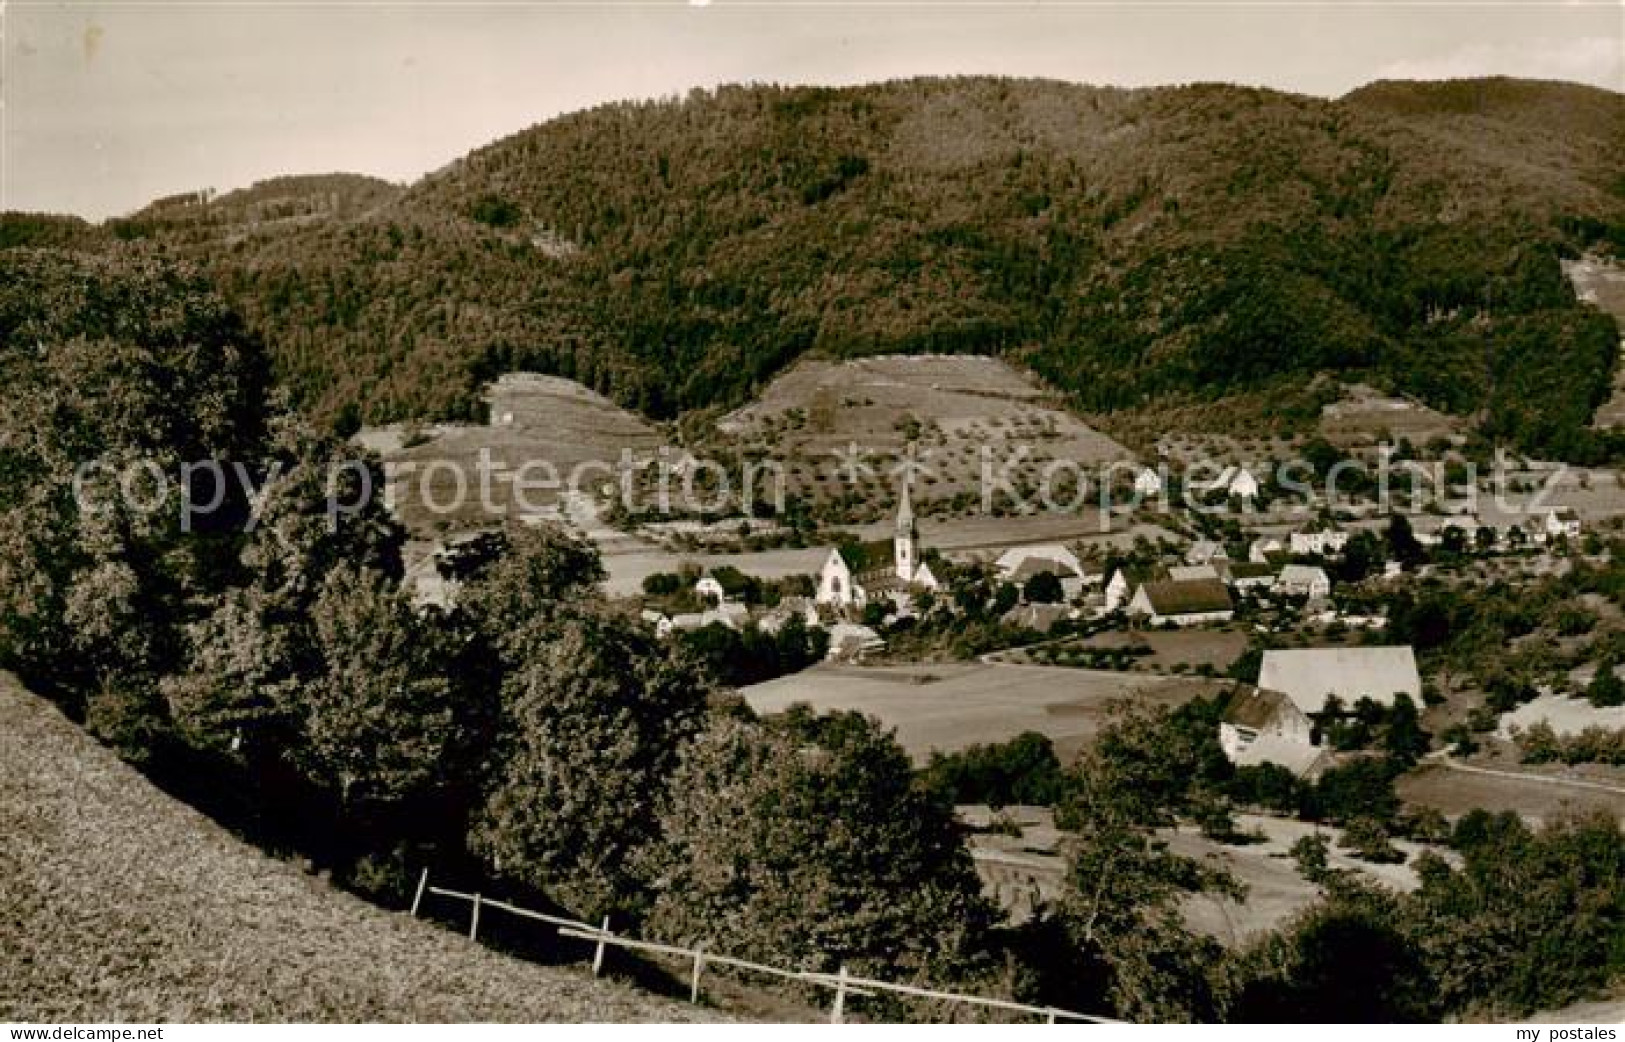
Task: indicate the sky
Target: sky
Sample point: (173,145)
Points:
(105,106)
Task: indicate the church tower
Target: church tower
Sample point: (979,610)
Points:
(906,542)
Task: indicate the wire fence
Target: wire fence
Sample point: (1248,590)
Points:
(843,984)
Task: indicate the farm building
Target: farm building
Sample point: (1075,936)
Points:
(1190,572)
(850,641)
(1121,587)
(1324,538)
(1303,580)
(787,609)
(1309,676)
(1040,617)
(733,616)
(1021,563)
(1562,523)
(1261,726)
(708,587)
(1252,575)
(1188,603)
(1263,548)
(1232,482)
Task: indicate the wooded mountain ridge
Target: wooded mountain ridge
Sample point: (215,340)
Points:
(1176,243)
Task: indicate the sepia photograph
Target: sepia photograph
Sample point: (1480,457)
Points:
(1105,513)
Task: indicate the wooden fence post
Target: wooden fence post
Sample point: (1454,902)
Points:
(694,980)
(1051,1019)
(474,923)
(417,898)
(837,1011)
(598,953)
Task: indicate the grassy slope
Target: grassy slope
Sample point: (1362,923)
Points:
(118,903)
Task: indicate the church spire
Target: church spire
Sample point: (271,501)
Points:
(904,542)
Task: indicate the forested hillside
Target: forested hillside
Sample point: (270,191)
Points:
(1186,242)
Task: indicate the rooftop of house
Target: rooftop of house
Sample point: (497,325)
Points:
(1190,597)
(1257,708)
(1311,675)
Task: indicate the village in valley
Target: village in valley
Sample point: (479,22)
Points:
(845,510)
(1245,586)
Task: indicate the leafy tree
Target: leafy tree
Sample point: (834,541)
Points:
(1402,543)
(131,369)
(383,721)
(1120,904)
(1530,920)
(804,840)
(1363,788)
(1403,738)
(1605,689)
(595,713)
(1343,960)
(1023,770)
(1043,588)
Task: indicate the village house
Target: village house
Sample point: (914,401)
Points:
(1206,551)
(1121,587)
(1148,483)
(709,589)
(1263,548)
(856,574)
(1562,523)
(1190,603)
(1251,575)
(1242,485)
(1021,563)
(1233,483)
(1261,726)
(1303,580)
(1321,539)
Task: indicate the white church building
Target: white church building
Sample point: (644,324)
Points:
(854,574)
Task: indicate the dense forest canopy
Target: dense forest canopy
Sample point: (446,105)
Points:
(1126,244)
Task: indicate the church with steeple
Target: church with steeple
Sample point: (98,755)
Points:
(855,573)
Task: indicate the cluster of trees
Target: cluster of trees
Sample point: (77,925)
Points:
(533,737)
(1487,933)
(752,655)
(1022,771)
(1540,743)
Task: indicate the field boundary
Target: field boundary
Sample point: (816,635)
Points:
(843,984)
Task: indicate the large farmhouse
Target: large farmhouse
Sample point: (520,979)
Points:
(1188,603)
(1309,676)
(1276,723)
(1021,563)
(855,574)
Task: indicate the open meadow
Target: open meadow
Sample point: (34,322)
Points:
(1455,789)
(950,706)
